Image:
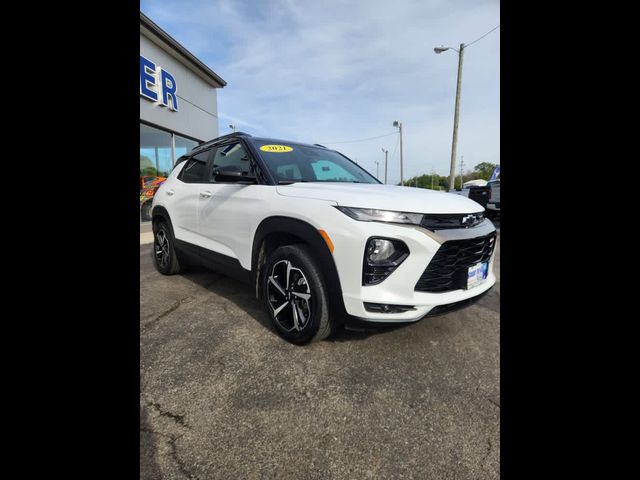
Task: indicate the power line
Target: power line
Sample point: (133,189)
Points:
(468,45)
(361,140)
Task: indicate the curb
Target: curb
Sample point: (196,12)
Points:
(146,237)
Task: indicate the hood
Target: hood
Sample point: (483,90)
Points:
(382,197)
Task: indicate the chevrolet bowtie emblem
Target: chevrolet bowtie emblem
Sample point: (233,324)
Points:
(469,220)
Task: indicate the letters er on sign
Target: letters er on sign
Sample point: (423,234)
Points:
(158,85)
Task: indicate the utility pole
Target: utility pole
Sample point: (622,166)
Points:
(439,50)
(454,143)
(432,175)
(456,116)
(377,170)
(399,125)
(386,153)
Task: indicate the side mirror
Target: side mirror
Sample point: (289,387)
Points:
(232,173)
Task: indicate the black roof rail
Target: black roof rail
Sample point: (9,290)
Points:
(318,145)
(219,139)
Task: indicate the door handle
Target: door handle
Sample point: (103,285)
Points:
(205,194)
(170,192)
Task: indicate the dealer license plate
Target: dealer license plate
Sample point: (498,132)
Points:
(477,274)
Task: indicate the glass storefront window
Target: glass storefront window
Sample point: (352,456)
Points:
(157,157)
(156,161)
(183,145)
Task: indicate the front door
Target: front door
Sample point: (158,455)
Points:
(228,211)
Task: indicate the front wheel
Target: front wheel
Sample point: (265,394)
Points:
(295,295)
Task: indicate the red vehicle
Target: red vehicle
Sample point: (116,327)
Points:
(148,187)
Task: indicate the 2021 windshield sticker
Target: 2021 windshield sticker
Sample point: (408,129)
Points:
(276,148)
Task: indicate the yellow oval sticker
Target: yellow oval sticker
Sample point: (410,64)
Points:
(276,148)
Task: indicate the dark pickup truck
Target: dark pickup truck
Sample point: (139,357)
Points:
(493,203)
(487,196)
(480,194)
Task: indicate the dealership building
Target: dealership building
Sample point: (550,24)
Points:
(178,105)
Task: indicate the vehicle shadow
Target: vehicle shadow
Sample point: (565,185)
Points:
(236,292)
(243,297)
(350,332)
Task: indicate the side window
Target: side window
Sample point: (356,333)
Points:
(195,169)
(179,161)
(232,154)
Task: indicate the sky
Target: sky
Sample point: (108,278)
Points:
(331,72)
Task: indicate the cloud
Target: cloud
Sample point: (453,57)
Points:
(340,70)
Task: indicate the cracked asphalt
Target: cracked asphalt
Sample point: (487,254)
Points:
(223,397)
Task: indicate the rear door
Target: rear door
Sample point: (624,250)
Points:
(185,195)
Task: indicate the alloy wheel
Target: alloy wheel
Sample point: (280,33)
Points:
(161,246)
(289,296)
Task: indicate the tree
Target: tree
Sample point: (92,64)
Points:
(424,181)
(147,167)
(483,170)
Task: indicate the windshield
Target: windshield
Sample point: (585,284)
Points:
(298,163)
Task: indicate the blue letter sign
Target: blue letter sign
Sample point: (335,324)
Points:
(169,90)
(158,85)
(148,79)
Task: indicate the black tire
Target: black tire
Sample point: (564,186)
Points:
(311,321)
(145,211)
(164,253)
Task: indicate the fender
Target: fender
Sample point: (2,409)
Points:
(185,251)
(160,211)
(310,235)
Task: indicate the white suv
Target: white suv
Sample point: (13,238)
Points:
(319,238)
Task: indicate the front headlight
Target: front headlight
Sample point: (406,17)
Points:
(370,215)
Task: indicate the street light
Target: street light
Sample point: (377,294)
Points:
(399,126)
(386,153)
(454,143)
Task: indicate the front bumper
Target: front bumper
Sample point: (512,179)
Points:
(398,288)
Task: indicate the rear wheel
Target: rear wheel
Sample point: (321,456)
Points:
(145,211)
(164,253)
(295,295)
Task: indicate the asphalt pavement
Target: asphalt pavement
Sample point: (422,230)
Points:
(223,397)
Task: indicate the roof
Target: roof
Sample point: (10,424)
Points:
(279,141)
(253,139)
(190,58)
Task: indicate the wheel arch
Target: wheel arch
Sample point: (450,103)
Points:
(277,231)
(160,213)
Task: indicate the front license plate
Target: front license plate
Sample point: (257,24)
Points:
(477,274)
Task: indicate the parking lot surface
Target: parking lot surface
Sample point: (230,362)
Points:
(223,397)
